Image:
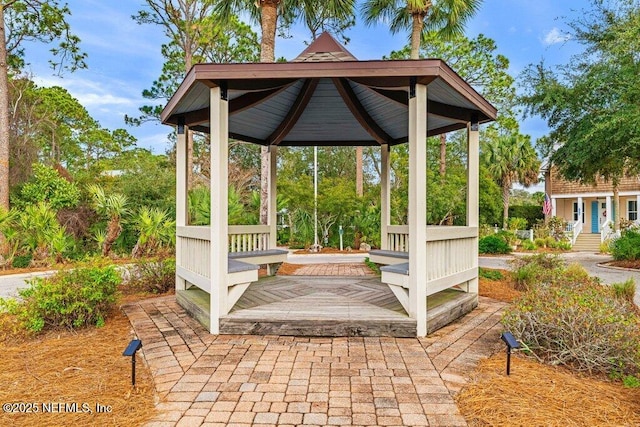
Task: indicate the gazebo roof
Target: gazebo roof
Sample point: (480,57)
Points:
(326,97)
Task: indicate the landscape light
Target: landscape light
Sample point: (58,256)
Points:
(511,343)
(131,349)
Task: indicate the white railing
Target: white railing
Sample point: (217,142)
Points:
(577,229)
(193,246)
(606,231)
(398,238)
(452,256)
(525,234)
(248,238)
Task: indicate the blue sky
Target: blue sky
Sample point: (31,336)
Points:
(124,57)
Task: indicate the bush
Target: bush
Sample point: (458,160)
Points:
(530,213)
(493,245)
(625,290)
(21,261)
(539,242)
(533,270)
(71,299)
(517,224)
(528,245)
(154,276)
(490,274)
(627,246)
(583,326)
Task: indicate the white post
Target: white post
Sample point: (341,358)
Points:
(385,200)
(553,206)
(638,208)
(273,205)
(609,210)
(418,206)
(219,206)
(580,201)
(182,208)
(473,190)
(315,198)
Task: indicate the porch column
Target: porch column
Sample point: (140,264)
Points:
(385,200)
(219,205)
(272,202)
(638,208)
(418,206)
(609,209)
(182,208)
(553,206)
(473,190)
(580,202)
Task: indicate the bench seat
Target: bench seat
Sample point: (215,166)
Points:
(380,256)
(271,257)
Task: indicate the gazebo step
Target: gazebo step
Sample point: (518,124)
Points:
(442,309)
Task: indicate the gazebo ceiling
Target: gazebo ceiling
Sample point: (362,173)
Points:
(326,97)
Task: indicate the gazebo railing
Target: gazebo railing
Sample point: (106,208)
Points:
(193,255)
(398,238)
(451,256)
(244,238)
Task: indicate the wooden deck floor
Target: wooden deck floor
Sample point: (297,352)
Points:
(321,306)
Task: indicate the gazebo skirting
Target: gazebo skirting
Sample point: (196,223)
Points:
(325,306)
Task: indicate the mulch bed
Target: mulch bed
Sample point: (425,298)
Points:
(501,290)
(67,367)
(625,264)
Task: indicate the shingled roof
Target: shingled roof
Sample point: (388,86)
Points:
(325,48)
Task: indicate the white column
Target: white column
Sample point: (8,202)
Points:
(553,206)
(219,207)
(418,208)
(182,207)
(638,208)
(609,209)
(273,204)
(385,197)
(473,190)
(580,201)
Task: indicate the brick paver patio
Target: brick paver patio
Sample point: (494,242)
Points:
(231,380)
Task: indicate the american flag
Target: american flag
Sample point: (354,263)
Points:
(546,206)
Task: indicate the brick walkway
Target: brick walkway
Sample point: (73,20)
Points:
(225,380)
(354,269)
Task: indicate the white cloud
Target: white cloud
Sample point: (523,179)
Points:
(555,36)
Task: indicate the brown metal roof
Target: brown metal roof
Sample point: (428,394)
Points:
(332,102)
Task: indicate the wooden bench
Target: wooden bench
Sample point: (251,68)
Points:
(380,256)
(271,257)
(240,276)
(396,276)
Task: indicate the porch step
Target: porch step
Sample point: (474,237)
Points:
(587,242)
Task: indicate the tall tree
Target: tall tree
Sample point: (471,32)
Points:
(511,159)
(21,22)
(592,104)
(267,12)
(446,17)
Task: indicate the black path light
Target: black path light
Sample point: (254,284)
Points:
(131,349)
(511,343)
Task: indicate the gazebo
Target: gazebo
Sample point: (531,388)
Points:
(326,97)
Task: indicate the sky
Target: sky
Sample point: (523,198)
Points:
(124,57)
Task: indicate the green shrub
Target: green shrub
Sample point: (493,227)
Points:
(528,245)
(625,290)
(563,245)
(493,245)
(531,213)
(605,247)
(627,246)
(540,242)
(154,276)
(550,242)
(517,224)
(536,269)
(372,265)
(21,261)
(71,299)
(631,381)
(583,326)
(490,274)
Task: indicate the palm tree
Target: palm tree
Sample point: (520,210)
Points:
(113,207)
(511,159)
(447,17)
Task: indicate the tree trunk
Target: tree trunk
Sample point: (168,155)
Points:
(269,24)
(267,54)
(443,154)
(505,204)
(359,178)
(416,33)
(4,117)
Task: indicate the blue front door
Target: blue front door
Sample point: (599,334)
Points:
(595,228)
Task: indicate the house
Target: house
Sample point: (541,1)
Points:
(589,209)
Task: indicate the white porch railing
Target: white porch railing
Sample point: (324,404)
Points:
(606,231)
(398,238)
(248,238)
(452,256)
(577,229)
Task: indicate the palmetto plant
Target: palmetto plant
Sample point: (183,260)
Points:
(41,234)
(112,207)
(156,230)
